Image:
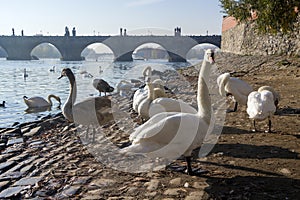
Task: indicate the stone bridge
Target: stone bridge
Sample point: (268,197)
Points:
(71,47)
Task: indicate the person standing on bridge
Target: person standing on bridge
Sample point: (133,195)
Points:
(67,33)
(73,31)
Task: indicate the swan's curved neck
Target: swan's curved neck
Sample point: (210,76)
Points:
(73,90)
(203,98)
(49,99)
(150,91)
(147,72)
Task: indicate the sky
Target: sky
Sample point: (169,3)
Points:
(106,17)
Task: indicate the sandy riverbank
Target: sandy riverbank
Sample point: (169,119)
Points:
(47,160)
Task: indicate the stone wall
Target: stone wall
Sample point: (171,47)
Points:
(244,39)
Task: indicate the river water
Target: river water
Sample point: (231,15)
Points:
(41,81)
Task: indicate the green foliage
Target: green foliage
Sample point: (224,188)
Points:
(273,15)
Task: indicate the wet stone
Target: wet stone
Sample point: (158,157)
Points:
(13,141)
(10,175)
(11,191)
(27,181)
(37,144)
(33,131)
(4,184)
(70,191)
(6,165)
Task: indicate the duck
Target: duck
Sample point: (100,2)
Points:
(169,135)
(53,69)
(2,104)
(102,86)
(261,106)
(237,88)
(25,73)
(38,102)
(93,111)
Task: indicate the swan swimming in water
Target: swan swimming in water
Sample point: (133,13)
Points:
(38,102)
(93,111)
(170,135)
(237,88)
(260,106)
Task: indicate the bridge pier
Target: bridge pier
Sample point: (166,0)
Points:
(175,57)
(124,58)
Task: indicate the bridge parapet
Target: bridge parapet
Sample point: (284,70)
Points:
(71,47)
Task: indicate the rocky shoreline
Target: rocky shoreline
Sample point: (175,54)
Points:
(47,159)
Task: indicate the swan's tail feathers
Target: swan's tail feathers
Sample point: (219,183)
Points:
(222,81)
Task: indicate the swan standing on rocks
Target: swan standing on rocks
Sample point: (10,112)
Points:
(2,104)
(260,106)
(93,111)
(237,88)
(38,102)
(102,86)
(170,135)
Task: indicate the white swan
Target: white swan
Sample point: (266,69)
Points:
(275,94)
(147,72)
(124,88)
(260,105)
(231,86)
(142,93)
(93,111)
(156,102)
(38,102)
(172,135)
(143,107)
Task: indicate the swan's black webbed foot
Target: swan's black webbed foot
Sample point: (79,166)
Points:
(193,172)
(177,168)
(196,172)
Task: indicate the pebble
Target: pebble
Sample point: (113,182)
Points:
(174,191)
(152,185)
(175,182)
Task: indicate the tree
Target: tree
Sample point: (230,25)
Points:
(272,15)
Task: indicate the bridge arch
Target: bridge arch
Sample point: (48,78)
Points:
(45,50)
(197,51)
(97,51)
(150,50)
(3,52)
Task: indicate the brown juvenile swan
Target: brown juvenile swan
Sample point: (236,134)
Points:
(93,111)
